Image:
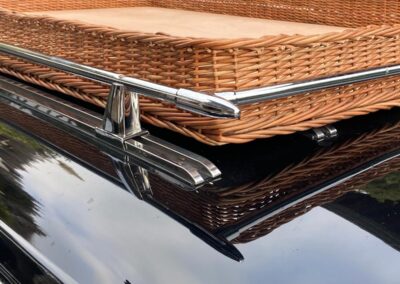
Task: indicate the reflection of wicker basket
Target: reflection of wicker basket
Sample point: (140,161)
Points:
(213,65)
(330,195)
(219,208)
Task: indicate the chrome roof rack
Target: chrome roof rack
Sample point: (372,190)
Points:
(119,129)
(120,126)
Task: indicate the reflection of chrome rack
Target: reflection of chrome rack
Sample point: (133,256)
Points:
(120,126)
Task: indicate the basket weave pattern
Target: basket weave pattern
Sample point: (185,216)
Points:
(216,65)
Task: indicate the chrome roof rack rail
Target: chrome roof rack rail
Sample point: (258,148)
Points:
(185,99)
(120,127)
(301,87)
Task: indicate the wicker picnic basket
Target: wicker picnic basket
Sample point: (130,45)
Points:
(370,38)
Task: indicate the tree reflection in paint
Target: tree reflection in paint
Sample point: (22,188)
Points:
(17,208)
(385,189)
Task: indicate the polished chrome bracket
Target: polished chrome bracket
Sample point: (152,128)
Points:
(121,119)
(323,134)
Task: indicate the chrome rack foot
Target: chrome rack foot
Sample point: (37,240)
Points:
(322,135)
(118,133)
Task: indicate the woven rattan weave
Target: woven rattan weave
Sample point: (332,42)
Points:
(218,65)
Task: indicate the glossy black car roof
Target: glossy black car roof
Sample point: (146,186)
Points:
(286,210)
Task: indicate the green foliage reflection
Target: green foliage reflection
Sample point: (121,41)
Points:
(385,189)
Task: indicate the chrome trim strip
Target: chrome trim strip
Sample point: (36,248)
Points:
(35,254)
(157,156)
(184,99)
(296,88)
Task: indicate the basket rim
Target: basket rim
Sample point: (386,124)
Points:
(275,42)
